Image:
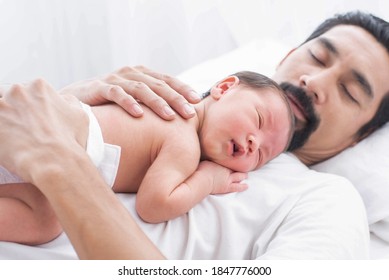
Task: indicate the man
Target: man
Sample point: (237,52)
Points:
(338,90)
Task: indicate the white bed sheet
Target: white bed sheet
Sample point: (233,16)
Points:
(300,215)
(58,249)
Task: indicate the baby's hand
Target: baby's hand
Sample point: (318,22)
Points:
(223,179)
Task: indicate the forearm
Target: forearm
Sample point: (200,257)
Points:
(160,199)
(189,193)
(48,150)
(97,224)
(156,203)
(209,178)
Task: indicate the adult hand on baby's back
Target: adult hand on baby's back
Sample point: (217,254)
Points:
(224,180)
(129,86)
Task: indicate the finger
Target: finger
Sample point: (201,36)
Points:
(168,96)
(238,176)
(118,95)
(14,93)
(162,90)
(4,88)
(41,87)
(238,187)
(185,90)
(138,90)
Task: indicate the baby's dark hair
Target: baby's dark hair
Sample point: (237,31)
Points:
(253,80)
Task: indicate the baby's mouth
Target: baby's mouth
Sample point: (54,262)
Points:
(237,150)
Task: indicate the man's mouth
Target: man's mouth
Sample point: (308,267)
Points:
(298,111)
(307,120)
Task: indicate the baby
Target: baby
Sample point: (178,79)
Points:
(244,122)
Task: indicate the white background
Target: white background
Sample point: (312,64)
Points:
(69,40)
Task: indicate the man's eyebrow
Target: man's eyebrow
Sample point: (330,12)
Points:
(364,83)
(361,79)
(328,45)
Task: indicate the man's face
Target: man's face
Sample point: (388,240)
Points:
(335,84)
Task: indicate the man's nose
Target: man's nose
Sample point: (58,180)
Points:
(313,86)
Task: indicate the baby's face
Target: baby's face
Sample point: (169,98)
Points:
(246,128)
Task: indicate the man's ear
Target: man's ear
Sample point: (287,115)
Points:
(286,56)
(223,86)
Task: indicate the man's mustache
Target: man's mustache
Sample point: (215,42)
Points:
(304,101)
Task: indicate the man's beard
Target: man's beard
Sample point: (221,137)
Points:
(301,136)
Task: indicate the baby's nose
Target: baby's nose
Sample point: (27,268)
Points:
(252,144)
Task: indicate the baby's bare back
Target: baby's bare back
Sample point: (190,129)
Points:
(140,139)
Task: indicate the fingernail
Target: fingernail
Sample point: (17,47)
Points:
(194,95)
(168,111)
(137,109)
(189,109)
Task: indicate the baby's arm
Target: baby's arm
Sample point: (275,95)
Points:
(222,179)
(171,188)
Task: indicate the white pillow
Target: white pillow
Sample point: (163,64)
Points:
(259,56)
(366,165)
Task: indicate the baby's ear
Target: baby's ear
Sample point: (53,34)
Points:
(223,86)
